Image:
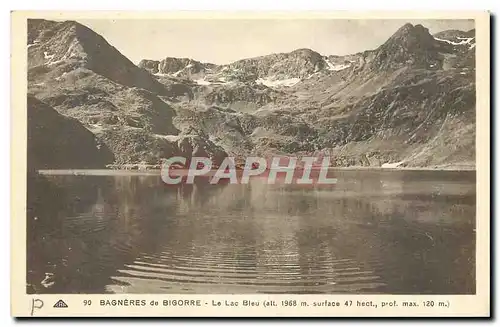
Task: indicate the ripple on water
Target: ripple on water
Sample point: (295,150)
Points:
(170,272)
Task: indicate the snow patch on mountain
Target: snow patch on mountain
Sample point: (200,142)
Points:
(72,53)
(50,59)
(202,82)
(177,72)
(35,42)
(48,56)
(336,67)
(277,83)
(61,77)
(464,40)
(392,165)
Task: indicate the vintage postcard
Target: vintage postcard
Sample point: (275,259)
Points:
(197,164)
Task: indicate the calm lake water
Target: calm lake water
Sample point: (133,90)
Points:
(373,232)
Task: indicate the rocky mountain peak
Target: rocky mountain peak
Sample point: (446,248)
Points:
(61,47)
(453,34)
(412,38)
(175,67)
(306,54)
(298,64)
(410,45)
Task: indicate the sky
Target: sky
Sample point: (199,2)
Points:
(221,41)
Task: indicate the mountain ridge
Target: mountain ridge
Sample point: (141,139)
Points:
(77,45)
(293,103)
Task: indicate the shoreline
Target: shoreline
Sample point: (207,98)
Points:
(155,172)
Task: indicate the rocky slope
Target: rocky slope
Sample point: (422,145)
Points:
(56,141)
(409,102)
(80,75)
(61,47)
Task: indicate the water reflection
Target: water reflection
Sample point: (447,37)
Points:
(373,232)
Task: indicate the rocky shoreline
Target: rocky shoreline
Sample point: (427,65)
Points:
(157,170)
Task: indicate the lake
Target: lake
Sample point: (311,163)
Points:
(375,231)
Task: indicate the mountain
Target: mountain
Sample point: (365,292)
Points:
(411,46)
(463,44)
(282,69)
(456,36)
(175,66)
(56,141)
(59,47)
(408,102)
(78,73)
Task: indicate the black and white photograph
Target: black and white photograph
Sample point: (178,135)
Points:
(268,161)
(392,103)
